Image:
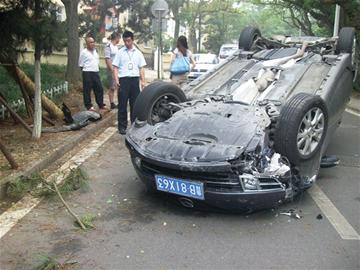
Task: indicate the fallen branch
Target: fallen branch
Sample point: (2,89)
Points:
(68,208)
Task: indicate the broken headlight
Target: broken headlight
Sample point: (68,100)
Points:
(249,182)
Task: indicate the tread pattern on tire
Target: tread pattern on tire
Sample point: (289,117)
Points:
(150,93)
(247,37)
(346,40)
(289,120)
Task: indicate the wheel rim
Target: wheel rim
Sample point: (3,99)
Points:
(310,131)
(160,109)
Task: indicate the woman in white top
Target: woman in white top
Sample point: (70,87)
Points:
(181,50)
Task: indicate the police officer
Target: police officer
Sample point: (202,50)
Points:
(129,74)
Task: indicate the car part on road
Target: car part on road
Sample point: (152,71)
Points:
(329,161)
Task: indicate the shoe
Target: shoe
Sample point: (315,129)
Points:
(91,109)
(122,131)
(113,106)
(104,109)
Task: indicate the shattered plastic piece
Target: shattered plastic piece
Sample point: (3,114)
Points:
(127,257)
(164,224)
(319,217)
(291,213)
(276,166)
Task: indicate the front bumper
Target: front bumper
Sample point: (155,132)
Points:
(221,191)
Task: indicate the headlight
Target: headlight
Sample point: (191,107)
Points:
(249,182)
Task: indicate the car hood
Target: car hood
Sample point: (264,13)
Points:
(206,132)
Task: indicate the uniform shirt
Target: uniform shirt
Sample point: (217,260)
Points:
(110,51)
(129,62)
(89,60)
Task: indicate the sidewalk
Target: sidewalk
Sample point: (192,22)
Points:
(354,103)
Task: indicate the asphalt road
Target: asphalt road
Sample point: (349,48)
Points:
(136,230)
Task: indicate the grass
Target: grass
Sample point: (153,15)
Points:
(22,185)
(76,179)
(47,263)
(51,75)
(50,263)
(87,220)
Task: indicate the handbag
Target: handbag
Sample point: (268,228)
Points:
(181,65)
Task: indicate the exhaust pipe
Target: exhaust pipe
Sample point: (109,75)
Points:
(186,202)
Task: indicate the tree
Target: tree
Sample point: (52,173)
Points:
(19,20)
(93,21)
(73,45)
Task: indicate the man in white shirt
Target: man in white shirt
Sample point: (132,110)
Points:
(110,51)
(129,74)
(89,64)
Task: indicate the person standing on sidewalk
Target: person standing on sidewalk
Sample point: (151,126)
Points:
(181,53)
(89,64)
(129,74)
(110,51)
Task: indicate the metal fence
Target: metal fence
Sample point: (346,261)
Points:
(19,104)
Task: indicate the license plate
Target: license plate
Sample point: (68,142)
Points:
(180,187)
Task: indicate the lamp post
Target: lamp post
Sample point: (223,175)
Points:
(159,9)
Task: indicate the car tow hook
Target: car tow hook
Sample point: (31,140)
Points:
(186,202)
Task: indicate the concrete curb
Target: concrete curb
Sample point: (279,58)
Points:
(42,164)
(354,103)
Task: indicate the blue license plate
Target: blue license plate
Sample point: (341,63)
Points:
(180,187)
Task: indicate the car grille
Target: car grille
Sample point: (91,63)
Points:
(213,179)
(219,181)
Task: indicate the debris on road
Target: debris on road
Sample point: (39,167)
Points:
(319,217)
(291,213)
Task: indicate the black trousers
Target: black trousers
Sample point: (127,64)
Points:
(91,80)
(128,91)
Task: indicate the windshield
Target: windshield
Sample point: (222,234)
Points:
(205,59)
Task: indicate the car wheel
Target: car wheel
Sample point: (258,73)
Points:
(347,44)
(151,104)
(301,127)
(247,38)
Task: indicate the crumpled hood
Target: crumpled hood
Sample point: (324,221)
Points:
(206,132)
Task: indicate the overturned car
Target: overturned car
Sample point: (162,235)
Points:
(250,134)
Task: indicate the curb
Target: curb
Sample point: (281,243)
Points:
(58,153)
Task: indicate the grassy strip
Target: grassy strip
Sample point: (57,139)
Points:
(37,186)
(51,75)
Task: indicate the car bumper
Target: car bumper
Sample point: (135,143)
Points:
(229,199)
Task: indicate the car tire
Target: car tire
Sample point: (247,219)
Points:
(301,128)
(149,99)
(346,40)
(247,37)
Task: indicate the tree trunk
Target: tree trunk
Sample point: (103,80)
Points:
(8,156)
(36,133)
(73,45)
(49,106)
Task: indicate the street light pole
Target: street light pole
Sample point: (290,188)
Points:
(159,47)
(159,9)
